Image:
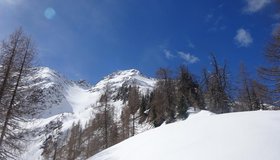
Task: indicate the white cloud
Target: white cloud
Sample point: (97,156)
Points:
(168,54)
(243,38)
(189,58)
(275,28)
(255,5)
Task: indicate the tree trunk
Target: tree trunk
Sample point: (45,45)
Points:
(106,124)
(55,151)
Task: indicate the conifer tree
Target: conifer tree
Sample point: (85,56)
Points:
(105,112)
(189,87)
(133,104)
(125,123)
(245,91)
(216,88)
(167,88)
(74,143)
(182,108)
(271,72)
(17,54)
(163,99)
(53,139)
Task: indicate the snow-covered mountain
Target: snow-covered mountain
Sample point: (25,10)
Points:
(247,135)
(234,136)
(71,101)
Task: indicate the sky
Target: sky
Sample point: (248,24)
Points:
(89,39)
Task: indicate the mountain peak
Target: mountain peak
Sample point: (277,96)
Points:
(127,73)
(121,77)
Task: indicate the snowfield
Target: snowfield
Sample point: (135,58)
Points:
(205,136)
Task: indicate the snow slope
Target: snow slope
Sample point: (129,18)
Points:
(205,136)
(71,101)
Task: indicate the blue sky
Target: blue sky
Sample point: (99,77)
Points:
(88,39)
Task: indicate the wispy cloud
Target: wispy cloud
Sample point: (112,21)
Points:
(168,54)
(208,17)
(254,6)
(221,5)
(189,58)
(243,38)
(216,22)
(190,44)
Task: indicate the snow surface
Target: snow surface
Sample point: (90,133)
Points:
(205,136)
